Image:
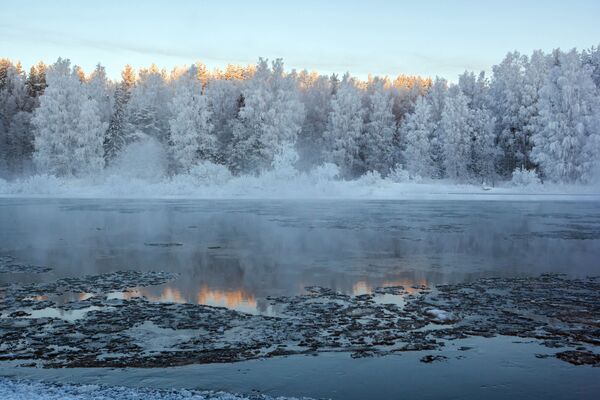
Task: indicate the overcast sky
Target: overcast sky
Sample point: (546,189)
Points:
(429,38)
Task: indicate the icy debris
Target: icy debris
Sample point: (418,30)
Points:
(558,312)
(431,358)
(8,265)
(579,357)
(440,316)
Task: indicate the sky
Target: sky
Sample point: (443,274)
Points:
(425,37)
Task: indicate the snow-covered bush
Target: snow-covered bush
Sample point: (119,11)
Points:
(143,159)
(370,178)
(40,184)
(208,173)
(523,177)
(325,172)
(400,175)
(284,161)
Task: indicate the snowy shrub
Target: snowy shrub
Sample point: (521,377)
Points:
(143,159)
(325,173)
(208,173)
(400,175)
(284,161)
(370,178)
(40,184)
(523,177)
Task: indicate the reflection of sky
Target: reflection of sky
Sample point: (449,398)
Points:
(429,37)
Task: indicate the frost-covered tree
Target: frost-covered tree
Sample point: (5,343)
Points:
(484,152)
(506,96)
(436,98)
(344,128)
(99,88)
(116,135)
(146,111)
(536,113)
(68,130)
(191,137)
(16,141)
(457,136)
(535,74)
(224,104)
(270,116)
(87,150)
(568,127)
(418,130)
(591,57)
(315,94)
(36,80)
(405,91)
(513,96)
(475,88)
(377,142)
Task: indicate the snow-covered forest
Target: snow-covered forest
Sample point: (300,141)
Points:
(536,118)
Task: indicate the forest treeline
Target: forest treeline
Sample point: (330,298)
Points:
(536,114)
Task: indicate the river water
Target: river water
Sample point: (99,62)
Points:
(236,253)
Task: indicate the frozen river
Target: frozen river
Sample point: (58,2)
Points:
(235,254)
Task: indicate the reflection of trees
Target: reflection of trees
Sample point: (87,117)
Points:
(277,248)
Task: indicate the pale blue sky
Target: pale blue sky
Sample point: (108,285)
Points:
(382,37)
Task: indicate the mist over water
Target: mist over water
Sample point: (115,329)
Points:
(235,253)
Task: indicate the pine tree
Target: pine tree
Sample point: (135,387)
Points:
(116,135)
(591,57)
(36,81)
(16,140)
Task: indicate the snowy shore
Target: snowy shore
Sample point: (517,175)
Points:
(34,390)
(293,186)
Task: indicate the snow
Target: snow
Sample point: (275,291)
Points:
(156,339)
(34,390)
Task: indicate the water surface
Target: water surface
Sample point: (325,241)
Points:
(235,253)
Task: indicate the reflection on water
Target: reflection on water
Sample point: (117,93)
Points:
(234,299)
(236,253)
(409,285)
